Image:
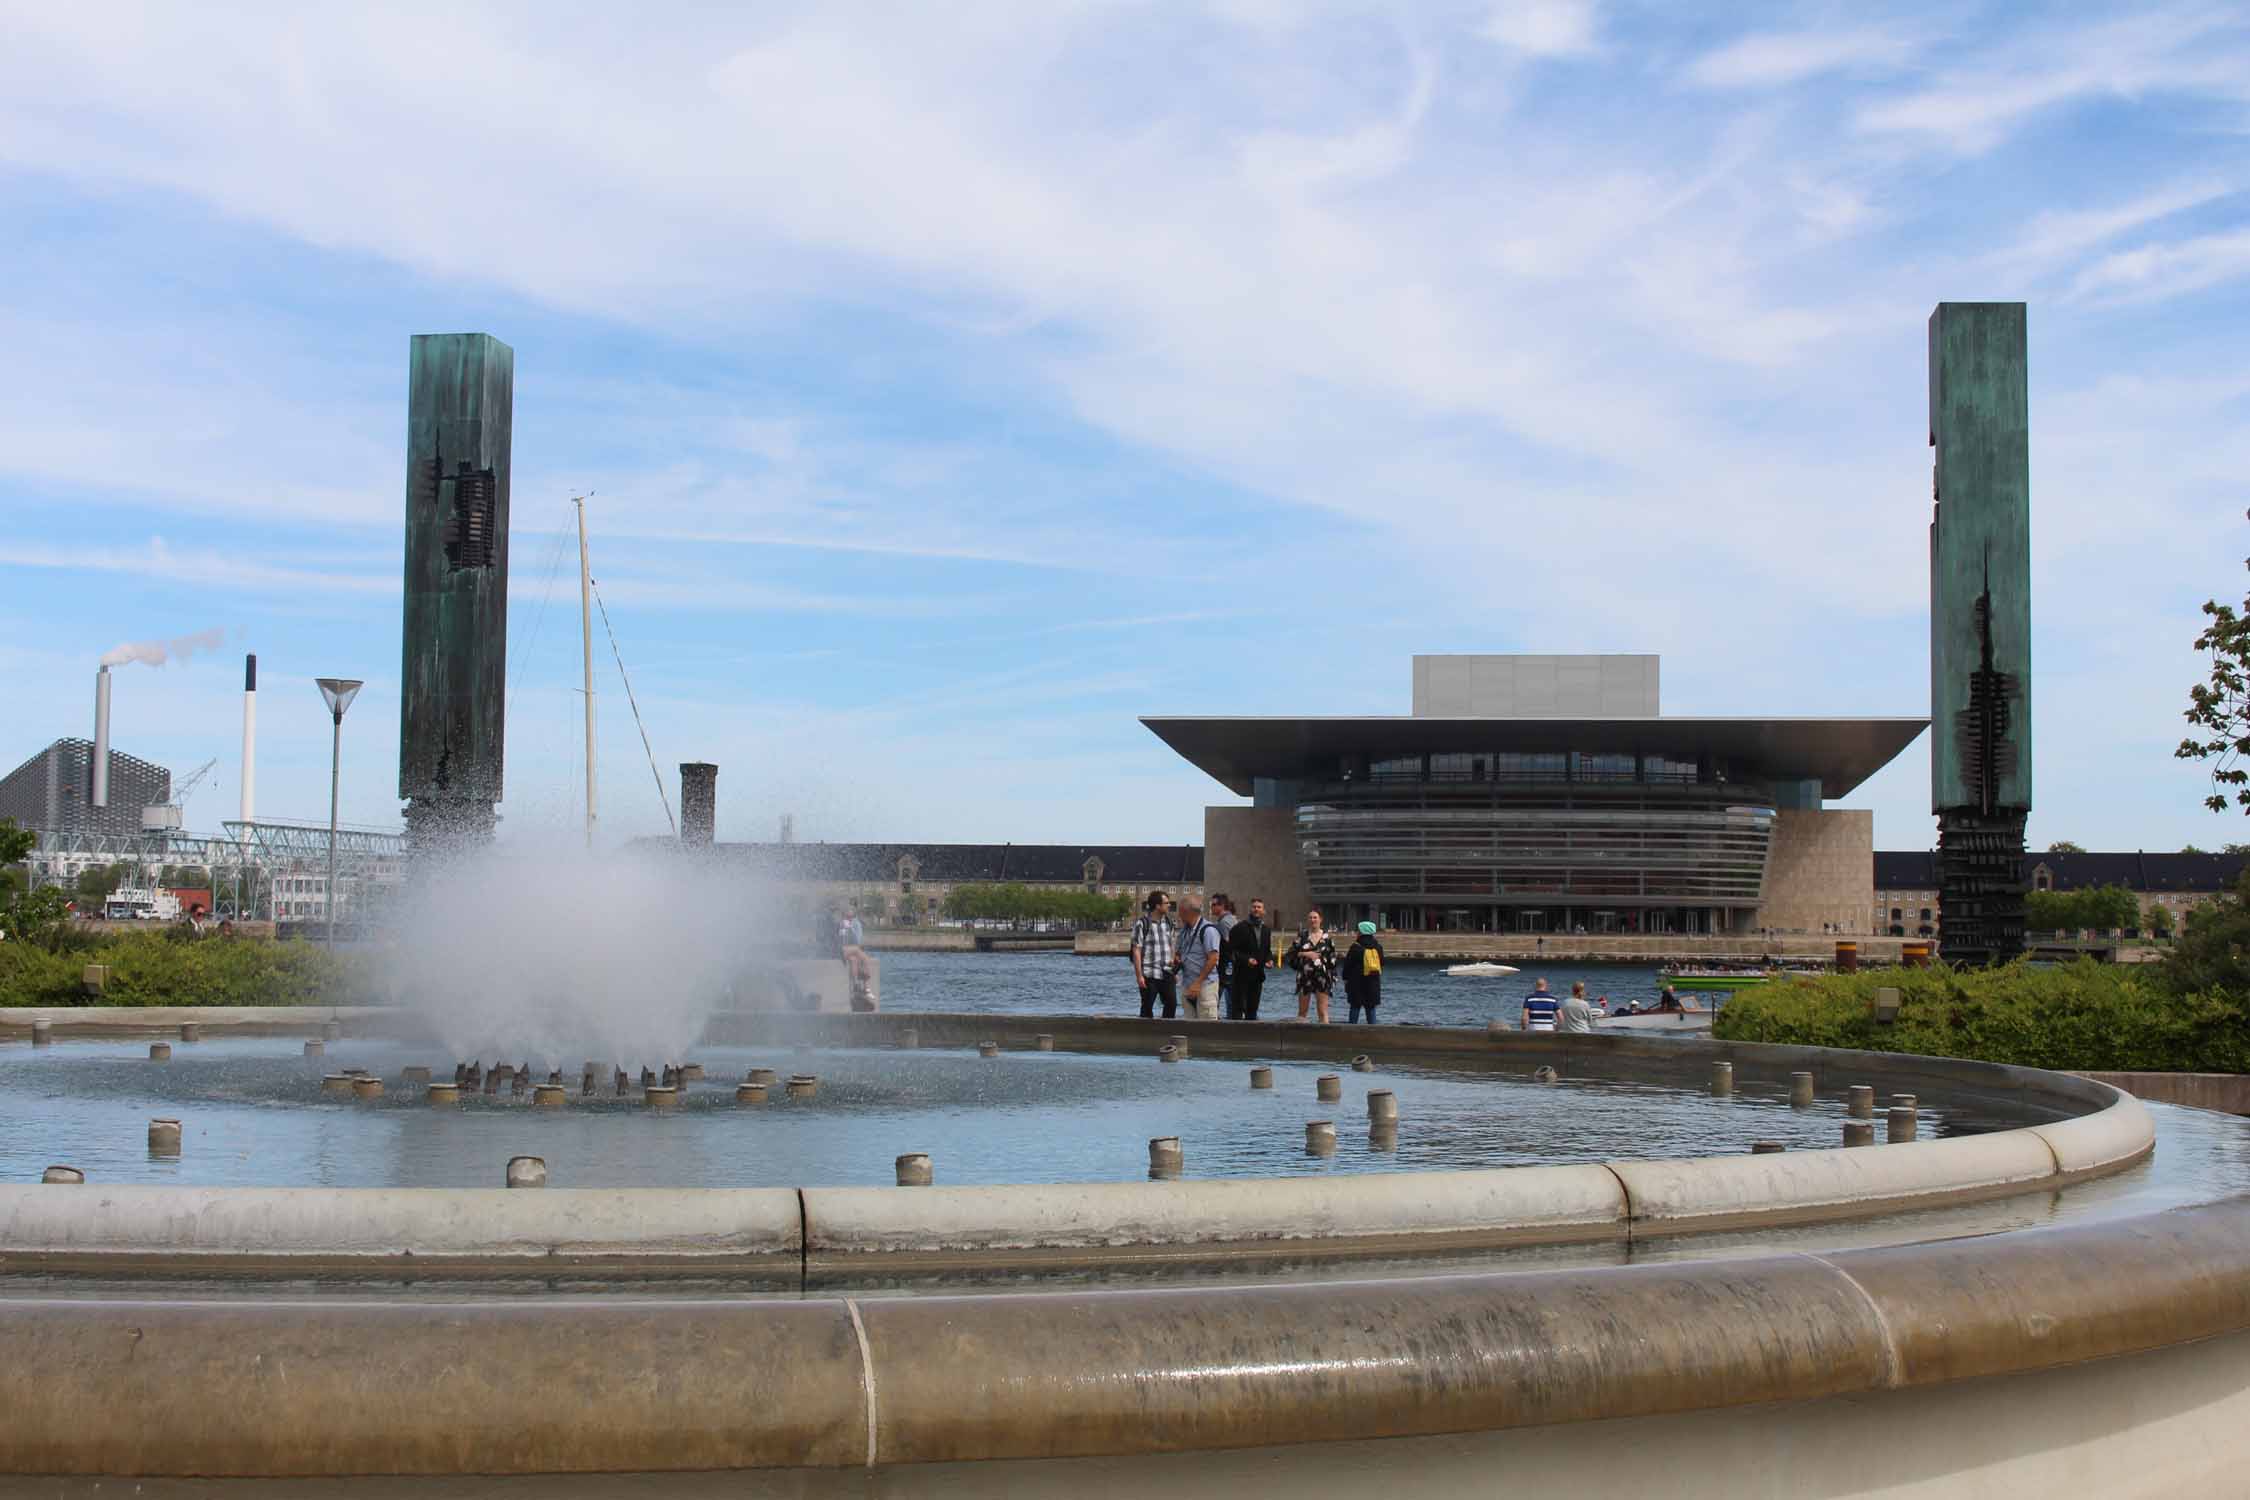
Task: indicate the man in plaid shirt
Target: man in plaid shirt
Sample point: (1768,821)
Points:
(1154,941)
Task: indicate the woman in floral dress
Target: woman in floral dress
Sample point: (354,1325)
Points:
(1313,956)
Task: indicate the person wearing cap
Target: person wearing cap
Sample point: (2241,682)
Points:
(1363,974)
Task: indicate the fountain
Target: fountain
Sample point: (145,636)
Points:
(1556,1263)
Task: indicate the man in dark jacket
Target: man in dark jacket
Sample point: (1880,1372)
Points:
(1250,948)
(1363,973)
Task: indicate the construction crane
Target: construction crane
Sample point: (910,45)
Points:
(166,816)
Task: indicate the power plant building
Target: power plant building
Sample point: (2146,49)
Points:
(1545,794)
(51,791)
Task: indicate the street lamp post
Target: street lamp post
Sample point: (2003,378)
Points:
(337,693)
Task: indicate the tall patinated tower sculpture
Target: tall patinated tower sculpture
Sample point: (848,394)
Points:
(453,678)
(1980,625)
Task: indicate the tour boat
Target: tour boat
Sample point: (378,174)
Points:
(1481,971)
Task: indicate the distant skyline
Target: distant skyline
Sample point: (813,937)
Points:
(956,385)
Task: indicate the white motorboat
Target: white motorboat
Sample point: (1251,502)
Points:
(1481,971)
(1696,1022)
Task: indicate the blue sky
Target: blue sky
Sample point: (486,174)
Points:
(956,384)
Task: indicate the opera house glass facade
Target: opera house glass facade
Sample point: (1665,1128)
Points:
(1528,794)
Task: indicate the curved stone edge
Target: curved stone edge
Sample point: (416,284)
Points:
(1796,1186)
(973,1224)
(121,1021)
(745,1225)
(2114,1136)
(345,1387)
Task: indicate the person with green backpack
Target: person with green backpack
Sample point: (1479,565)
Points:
(1363,973)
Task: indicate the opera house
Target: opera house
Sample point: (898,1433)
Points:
(1545,794)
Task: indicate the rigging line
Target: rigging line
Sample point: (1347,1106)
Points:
(654,774)
(517,658)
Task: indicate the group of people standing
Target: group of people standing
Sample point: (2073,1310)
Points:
(1217,964)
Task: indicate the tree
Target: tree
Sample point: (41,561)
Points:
(2065,846)
(2104,908)
(2213,951)
(2234,848)
(2219,708)
(16,845)
(2190,849)
(96,882)
(2157,921)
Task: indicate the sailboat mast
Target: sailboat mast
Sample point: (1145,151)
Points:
(586,643)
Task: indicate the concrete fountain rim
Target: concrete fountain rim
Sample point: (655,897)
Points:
(818,1236)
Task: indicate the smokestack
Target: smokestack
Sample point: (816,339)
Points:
(100,788)
(699,803)
(249,736)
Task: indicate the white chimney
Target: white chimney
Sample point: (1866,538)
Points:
(249,737)
(100,789)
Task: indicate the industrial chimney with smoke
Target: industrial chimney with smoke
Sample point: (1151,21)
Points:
(699,803)
(98,793)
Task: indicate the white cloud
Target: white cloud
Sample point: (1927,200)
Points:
(2059,235)
(1545,28)
(228,570)
(1772,59)
(2181,51)
(2153,272)
(1047,288)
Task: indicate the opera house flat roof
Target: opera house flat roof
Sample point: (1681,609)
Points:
(1839,753)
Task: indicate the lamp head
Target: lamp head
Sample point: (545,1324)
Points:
(338,692)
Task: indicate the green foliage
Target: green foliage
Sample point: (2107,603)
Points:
(97,881)
(2213,951)
(2066,846)
(1016,902)
(2219,708)
(2157,921)
(2079,1015)
(16,843)
(40,917)
(151,968)
(2100,908)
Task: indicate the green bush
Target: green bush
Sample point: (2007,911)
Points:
(1017,902)
(153,968)
(2080,1015)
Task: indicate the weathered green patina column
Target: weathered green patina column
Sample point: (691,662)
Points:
(1980,625)
(453,677)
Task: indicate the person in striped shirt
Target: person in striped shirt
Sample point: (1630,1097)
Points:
(1539,1009)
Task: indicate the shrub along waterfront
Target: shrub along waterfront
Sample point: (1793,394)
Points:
(2077,1015)
(172,967)
(2190,1013)
(1016,902)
